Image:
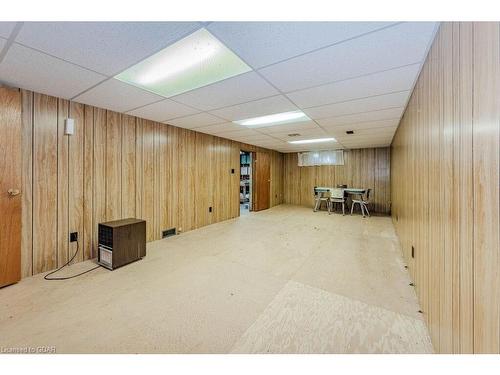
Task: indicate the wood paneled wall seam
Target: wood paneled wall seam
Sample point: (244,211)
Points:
(445,191)
(118,166)
(365,168)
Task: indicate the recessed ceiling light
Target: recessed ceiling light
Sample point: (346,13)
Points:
(194,61)
(276,119)
(318,140)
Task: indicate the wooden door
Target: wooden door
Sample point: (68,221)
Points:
(261,180)
(10,186)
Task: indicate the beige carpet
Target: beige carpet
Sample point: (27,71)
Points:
(284,280)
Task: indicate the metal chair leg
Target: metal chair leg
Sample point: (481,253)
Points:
(366,208)
(352,207)
(343,209)
(362,210)
(316,205)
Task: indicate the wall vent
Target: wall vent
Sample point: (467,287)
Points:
(168,232)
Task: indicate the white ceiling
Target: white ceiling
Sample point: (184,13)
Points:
(343,75)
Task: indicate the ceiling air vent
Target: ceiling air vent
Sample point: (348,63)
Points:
(350,132)
(294,135)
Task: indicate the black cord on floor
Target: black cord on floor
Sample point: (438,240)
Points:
(46,277)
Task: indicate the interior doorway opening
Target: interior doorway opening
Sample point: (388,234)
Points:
(245,182)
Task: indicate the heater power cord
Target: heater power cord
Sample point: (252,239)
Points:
(46,277)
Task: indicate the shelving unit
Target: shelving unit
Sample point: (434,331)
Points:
(245,173)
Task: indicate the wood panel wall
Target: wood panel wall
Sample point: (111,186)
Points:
(117,166)
(445,188)
(365,168)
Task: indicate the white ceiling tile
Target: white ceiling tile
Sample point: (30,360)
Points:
(258,137)
(236,133)
(383,114)
(385,131)
(6,29)
(262,107)
(117,96)
(245,142)
(291,128)
(363,125)
(373,103)
(106,47)
(244,136)
(264,43)
(270,142)
(243,88)
(273,146)
(196,121)
(162,111)
(25,68)
(374,84)
(264,145)
(304,134)
(219,128)
(402,44)
(267,141)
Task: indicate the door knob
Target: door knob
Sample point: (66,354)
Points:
(13,192)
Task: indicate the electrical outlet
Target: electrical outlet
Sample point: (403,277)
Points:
(232,170)
(209,209)
(413,252)
(73,237)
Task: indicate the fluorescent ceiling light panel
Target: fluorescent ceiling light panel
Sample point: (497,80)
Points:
(194,61)
(276,119)
(318,140)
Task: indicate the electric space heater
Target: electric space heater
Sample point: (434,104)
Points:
(121,242)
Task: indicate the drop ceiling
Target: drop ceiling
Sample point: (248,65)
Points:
(343,75)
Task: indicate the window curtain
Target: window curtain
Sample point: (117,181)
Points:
(308,159)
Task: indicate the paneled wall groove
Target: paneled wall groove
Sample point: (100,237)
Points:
(118,166)
(445,191)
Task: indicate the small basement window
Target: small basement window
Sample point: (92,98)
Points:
(333,157)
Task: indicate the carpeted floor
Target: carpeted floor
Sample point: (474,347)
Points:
(284,280)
